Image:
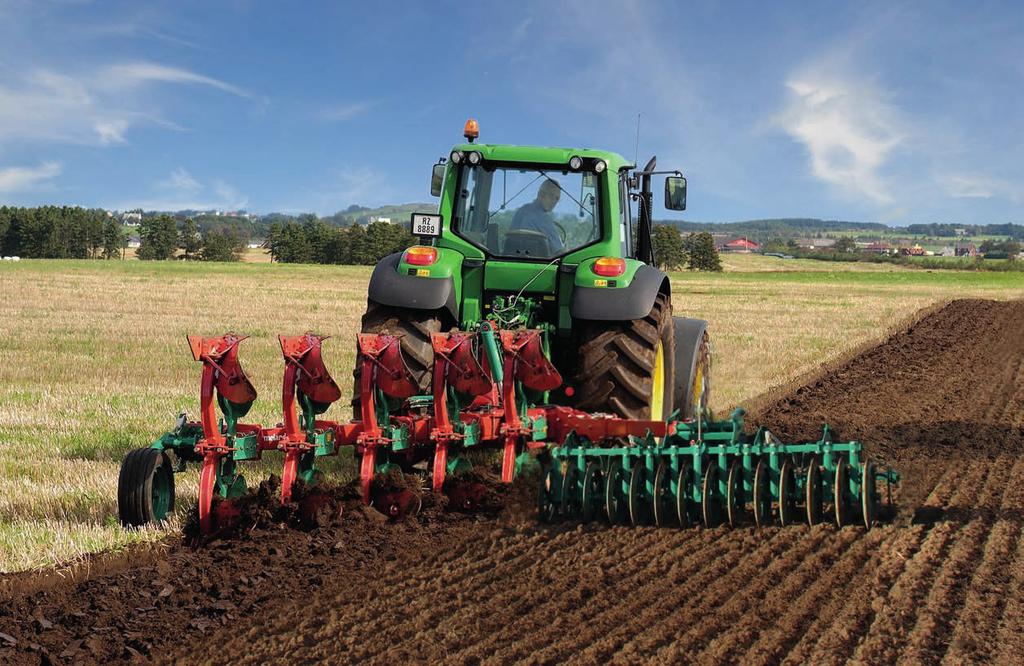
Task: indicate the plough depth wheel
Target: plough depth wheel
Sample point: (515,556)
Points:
(145,488)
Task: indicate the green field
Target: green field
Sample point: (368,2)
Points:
(93,360)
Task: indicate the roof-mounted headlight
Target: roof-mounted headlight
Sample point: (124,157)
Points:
(474,158)
(600,166)
(575,162)
(455,157)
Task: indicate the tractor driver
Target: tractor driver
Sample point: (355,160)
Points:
(536,215)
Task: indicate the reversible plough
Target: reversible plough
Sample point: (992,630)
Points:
(489,390)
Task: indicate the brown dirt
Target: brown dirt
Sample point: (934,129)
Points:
(942,399)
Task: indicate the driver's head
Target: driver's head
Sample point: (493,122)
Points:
(548,194)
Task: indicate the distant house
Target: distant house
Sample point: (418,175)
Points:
(815,243)
(965,249)
(914,250)
(741,245)
(878,247)
(132,219)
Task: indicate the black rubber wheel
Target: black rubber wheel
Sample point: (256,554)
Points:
(711,498)
(145,488)
(570,502)
(787,494)
(841,494)
(692,368)
(414,327)
(663,504)
(812,495)
(684,495)
(639,504)
(614,502)
(735,499)
(868,499)
(762,495)
(593,491)
(616,363)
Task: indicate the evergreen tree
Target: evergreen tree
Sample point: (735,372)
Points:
(113,240)
(189,239)
(701,252)
(159,237)
(222,245)
(668,247)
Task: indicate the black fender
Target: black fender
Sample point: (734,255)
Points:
(389,287)
(622,304)
(688,336)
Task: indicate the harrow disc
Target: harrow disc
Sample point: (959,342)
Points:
(593,491)
(735,502)
(661,503)
(570,496)
(868,500)
(841,494)
(639,507)
(711,498)
(547,496)
(813,491)
(787,494)
(614,503)
(684,495)
(762,499)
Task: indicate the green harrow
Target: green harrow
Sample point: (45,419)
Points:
(711,472)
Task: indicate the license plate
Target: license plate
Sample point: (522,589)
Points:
(426,224)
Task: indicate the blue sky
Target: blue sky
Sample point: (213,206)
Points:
(858,111)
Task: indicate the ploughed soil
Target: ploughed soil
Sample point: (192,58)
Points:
(942,400)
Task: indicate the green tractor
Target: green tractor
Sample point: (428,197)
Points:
(547,238)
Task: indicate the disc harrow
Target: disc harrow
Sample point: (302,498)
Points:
(489,390)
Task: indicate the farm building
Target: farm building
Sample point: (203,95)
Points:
(740,245)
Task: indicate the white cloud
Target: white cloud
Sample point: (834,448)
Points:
(848,129)
(980,186)
(132,74)
(181,191)
(93,108)
(343,112)
(17,179)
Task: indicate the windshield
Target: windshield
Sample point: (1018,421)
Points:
(527,212)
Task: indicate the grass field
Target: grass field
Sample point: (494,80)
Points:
(93,359)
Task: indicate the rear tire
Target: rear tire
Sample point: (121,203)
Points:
(414,328)
(145,488)
(616,366)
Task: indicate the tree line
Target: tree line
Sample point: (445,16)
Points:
(59,232)
(162,236)
(313,241)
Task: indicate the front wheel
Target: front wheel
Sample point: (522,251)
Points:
(145,488)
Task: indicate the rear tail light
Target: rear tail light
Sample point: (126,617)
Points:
(609,266)
(420,255)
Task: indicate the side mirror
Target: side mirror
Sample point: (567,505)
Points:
(675,193)
(437,180)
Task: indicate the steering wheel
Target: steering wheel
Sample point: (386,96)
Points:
(562,232)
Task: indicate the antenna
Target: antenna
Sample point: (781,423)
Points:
(636,146)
